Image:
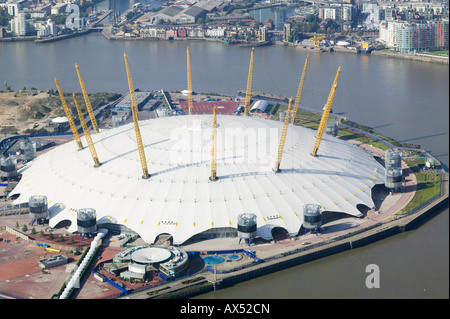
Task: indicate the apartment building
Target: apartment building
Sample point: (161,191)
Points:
(409,37)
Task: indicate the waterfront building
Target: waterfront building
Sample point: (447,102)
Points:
(19,25)
(409,37)
(217,32)
(45,29)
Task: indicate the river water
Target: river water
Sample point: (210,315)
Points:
(406,100)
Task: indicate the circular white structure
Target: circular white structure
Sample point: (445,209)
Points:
(150,255)
(180,200)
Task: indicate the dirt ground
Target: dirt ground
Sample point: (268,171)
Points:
(20,274)
(12,104)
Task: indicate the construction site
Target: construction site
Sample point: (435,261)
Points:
(205,188)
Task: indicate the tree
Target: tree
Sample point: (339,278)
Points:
(24,228)
(50,236)
(61,238)
(42,233)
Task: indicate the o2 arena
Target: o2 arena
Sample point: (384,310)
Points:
(192,176)
(180,199)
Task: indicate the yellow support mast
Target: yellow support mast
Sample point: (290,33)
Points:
(69,117)
(86,100)
(299,92)
(248,93)
(87,135)
(189,82)
(134,111)
(326,113)
(276,169)
(213,176)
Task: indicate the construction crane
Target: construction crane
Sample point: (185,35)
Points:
(134,111)
(87,135)
(317,40)
(87,102)
(73,128)
(248,92)
(299,92)
(189,81)
(276,169)
(213,176)
(326,113)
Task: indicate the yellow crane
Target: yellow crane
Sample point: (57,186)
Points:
(326,113)
(86,100)
(248,92)
(317,40)
(87,135)
(134,111)
(189,81)
(276,169)
(299,92)
(213,176)
(73,128)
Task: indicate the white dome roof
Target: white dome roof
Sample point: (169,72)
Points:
(179,198)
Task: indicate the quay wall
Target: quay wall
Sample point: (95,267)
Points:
(423,58)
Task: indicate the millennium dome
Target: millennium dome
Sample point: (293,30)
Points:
(180,199)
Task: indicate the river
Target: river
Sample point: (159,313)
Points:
(406,100)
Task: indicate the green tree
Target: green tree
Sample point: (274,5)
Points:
(42,233)
(61,238)
(51,236)
(24,228)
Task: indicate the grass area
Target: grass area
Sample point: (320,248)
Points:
(347,134)
(312,120)
(428,185)
(42,107)
(444,52)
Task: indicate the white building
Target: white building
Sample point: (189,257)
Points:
(45,29)
(389,32)
(218,32)
(14,7)
(19,25)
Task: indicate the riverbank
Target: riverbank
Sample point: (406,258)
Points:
(415,57)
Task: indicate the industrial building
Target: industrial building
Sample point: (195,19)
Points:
(179,15)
